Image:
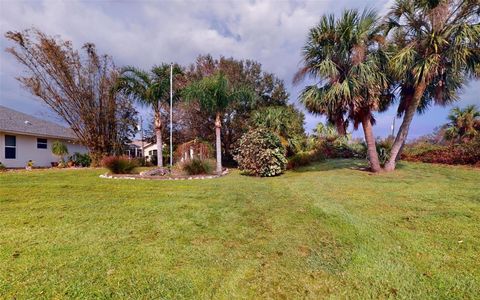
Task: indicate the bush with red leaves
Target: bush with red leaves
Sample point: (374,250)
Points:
(459,154)
(119,164)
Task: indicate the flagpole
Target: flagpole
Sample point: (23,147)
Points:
(171,121)
(143,147)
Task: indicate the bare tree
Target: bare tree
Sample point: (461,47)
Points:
(77,87)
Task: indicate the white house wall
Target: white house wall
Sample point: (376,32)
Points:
(26,150)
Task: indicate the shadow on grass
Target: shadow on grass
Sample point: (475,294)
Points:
(340,163)
(334,164)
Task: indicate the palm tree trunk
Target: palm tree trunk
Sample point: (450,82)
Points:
(158,134)
(340,125)
(371,146)
(401,137)
(218,140)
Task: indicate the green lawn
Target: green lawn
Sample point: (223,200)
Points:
(328,230)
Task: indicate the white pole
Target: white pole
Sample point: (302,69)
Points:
(141,136)
(171,121)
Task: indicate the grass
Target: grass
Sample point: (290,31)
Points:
(326,231)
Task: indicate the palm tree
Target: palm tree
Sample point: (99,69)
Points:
(150,89)
(214,94)
(323,49)
(436,51)
(345,55)
(464,123)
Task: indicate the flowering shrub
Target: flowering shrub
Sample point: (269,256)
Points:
(260,153)
(119,164)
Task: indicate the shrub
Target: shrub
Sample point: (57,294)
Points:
(81,160)
(198,166)
(305,158)
(119,164)
(2,167)
(383,149)
(467,153)
(342,148)
(154,160)
(419,149)
(260,153)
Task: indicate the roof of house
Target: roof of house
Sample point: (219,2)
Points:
(17,122)
(138,144)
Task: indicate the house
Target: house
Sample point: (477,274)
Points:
(145,149)
(24,137)
(134,149)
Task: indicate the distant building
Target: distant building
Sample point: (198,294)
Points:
(24,137)
(149,150)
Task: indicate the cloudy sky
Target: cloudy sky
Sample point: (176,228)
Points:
(144,33)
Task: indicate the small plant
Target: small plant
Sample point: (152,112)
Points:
(30,164)
(59,149)
(260,153)
(2,167)
(119,164)
(198,166)
(383,149)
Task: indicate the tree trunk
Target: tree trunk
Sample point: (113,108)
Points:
(218,140)
(401,137)
(340,125)
(158,134)
(96,156)
(371,146)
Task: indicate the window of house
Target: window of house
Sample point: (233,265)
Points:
(41,143)
(10,147)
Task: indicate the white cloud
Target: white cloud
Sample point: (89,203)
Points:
(144,33)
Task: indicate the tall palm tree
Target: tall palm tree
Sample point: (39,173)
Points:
(150,89)
(464,123)
(324,49)
(345,55)
(436,51)
(214,94)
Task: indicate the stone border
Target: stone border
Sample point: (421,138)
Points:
(143,177)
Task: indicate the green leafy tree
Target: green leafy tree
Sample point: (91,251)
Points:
(150,89)
(214,95)
(464,124)
(345,55)
(269,90)
(436,50)
(286,121)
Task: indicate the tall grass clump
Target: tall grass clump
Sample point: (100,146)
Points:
(119,164)
(197,166)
